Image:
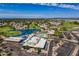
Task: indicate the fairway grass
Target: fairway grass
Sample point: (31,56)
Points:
(12,33)
(68,25)
(8,31)
(5,28)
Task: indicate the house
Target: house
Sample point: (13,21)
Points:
(35,42)
(76,33)
(55,23)
(14,39)
(50,31)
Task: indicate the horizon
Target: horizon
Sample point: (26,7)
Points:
(39,10)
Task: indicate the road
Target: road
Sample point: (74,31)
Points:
(75,51)
(73,39)
(65,49)
(50,48)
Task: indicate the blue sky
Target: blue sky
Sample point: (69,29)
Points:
(39,10)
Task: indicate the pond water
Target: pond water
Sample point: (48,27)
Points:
(26,32)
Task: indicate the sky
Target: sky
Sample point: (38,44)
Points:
(39,10)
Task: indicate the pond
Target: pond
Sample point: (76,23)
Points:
(26,32)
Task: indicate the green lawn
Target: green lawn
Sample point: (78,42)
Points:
(68,25)
(34,26)
(65,26)
(7,31)
(12,33)
(5,28)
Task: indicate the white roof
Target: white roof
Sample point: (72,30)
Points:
(75,31)
(34,39)
(41,43)
(51,31)
(77,34)
(17,39)
(36,42)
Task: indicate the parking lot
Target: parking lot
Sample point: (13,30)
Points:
(65,49)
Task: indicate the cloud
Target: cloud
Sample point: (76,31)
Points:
(7,15)
(60,5)
(69,6)
(47,4)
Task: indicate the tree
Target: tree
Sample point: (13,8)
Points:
(75,22)
(39,50)
(9,54)
(26,47)
(64,28)
(57,33)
